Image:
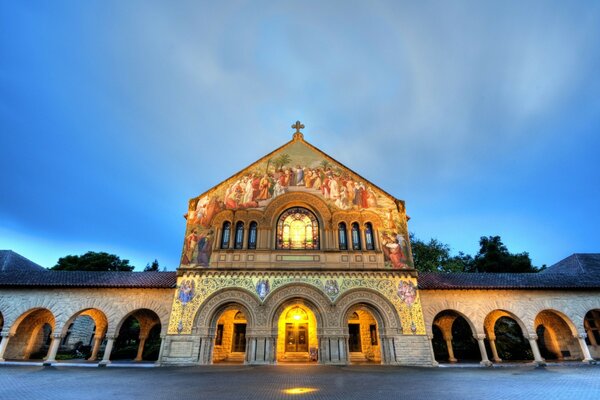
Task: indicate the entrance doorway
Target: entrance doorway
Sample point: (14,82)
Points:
(296,335)
(354,340)
(239,338)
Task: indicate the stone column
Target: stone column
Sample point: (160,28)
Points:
(4,343)
(140,351)
(484,358)
(448,339)
(51,357)
(495,357)
(435,363)
(110,341)
(161,349)
(590,335)
(96,348)
(537,356)
(204,357)
(587,357)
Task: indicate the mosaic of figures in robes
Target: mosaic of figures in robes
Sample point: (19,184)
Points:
(296,168)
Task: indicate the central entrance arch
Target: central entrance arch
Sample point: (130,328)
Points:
(297,334)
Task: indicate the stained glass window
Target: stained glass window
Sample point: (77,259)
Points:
(342,236)
(297,229)
(225,235)
(355,237)
(252,235)
(239,235)
(369,243)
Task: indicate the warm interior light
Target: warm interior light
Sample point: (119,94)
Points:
(297,317)
(299,390)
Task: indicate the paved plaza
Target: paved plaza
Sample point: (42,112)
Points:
(300,382)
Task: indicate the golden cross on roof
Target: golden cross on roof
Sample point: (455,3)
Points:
(297,126)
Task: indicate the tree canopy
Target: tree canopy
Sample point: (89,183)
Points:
(152,267)
(493,256)
(93,261)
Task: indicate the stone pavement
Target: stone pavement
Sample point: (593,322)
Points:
(300,382)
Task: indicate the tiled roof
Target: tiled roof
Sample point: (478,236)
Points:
(435,280)
(112,279)
(11,261)
(578,263)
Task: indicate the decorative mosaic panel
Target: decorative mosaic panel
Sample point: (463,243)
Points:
(194,289)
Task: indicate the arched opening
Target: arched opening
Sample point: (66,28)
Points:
(369,237)
(364,343)
(591,323)
(138,338)
(453,339)
(297,334)
(555,338)
(238,242)
(230,337)
(342,236)
(355,232)
(298,229)
(83,335)
(33,336)
(225,235)
(505,338)
(252,235)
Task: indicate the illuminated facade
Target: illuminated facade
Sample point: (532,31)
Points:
(314,256)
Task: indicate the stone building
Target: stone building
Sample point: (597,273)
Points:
(297,258)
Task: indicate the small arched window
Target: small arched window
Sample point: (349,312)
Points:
(225,235)
(239,235)
(355,237)
(369,241)
(252,235)
(342,236)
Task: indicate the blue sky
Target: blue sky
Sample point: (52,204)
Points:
(483,116)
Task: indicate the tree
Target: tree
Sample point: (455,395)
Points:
(435,257)
(493,256)
(152,267)
(281,161)
(93,261)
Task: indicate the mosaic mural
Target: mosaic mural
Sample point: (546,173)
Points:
(296,167)
(193,290)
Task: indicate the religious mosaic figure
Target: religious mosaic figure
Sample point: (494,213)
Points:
(331,288)
(407,292)
(263,288)
(187,291)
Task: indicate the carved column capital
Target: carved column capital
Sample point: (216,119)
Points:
(479,336)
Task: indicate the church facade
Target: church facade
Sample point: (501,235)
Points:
(299,259)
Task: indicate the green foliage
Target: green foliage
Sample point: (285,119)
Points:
(493,256)
(281,161)
(93,261)
(434,256)
(152,267)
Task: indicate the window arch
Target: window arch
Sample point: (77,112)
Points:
(225,235)
(342,236)
(356,245)
(252,235)
(369,238)
(298,229)
(238,242)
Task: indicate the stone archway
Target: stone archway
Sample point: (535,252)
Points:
(83,333)
(508,336)
(388,324)
(364,335)
(591,324)
(31,337)
(221,308)
(454,337)
(132,340)
(316,306)
(556,336)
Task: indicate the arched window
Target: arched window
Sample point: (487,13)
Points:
(355,237)
(369,242)
(239,235)
(252,235)
(342,236)
(225,235)
(297,229)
